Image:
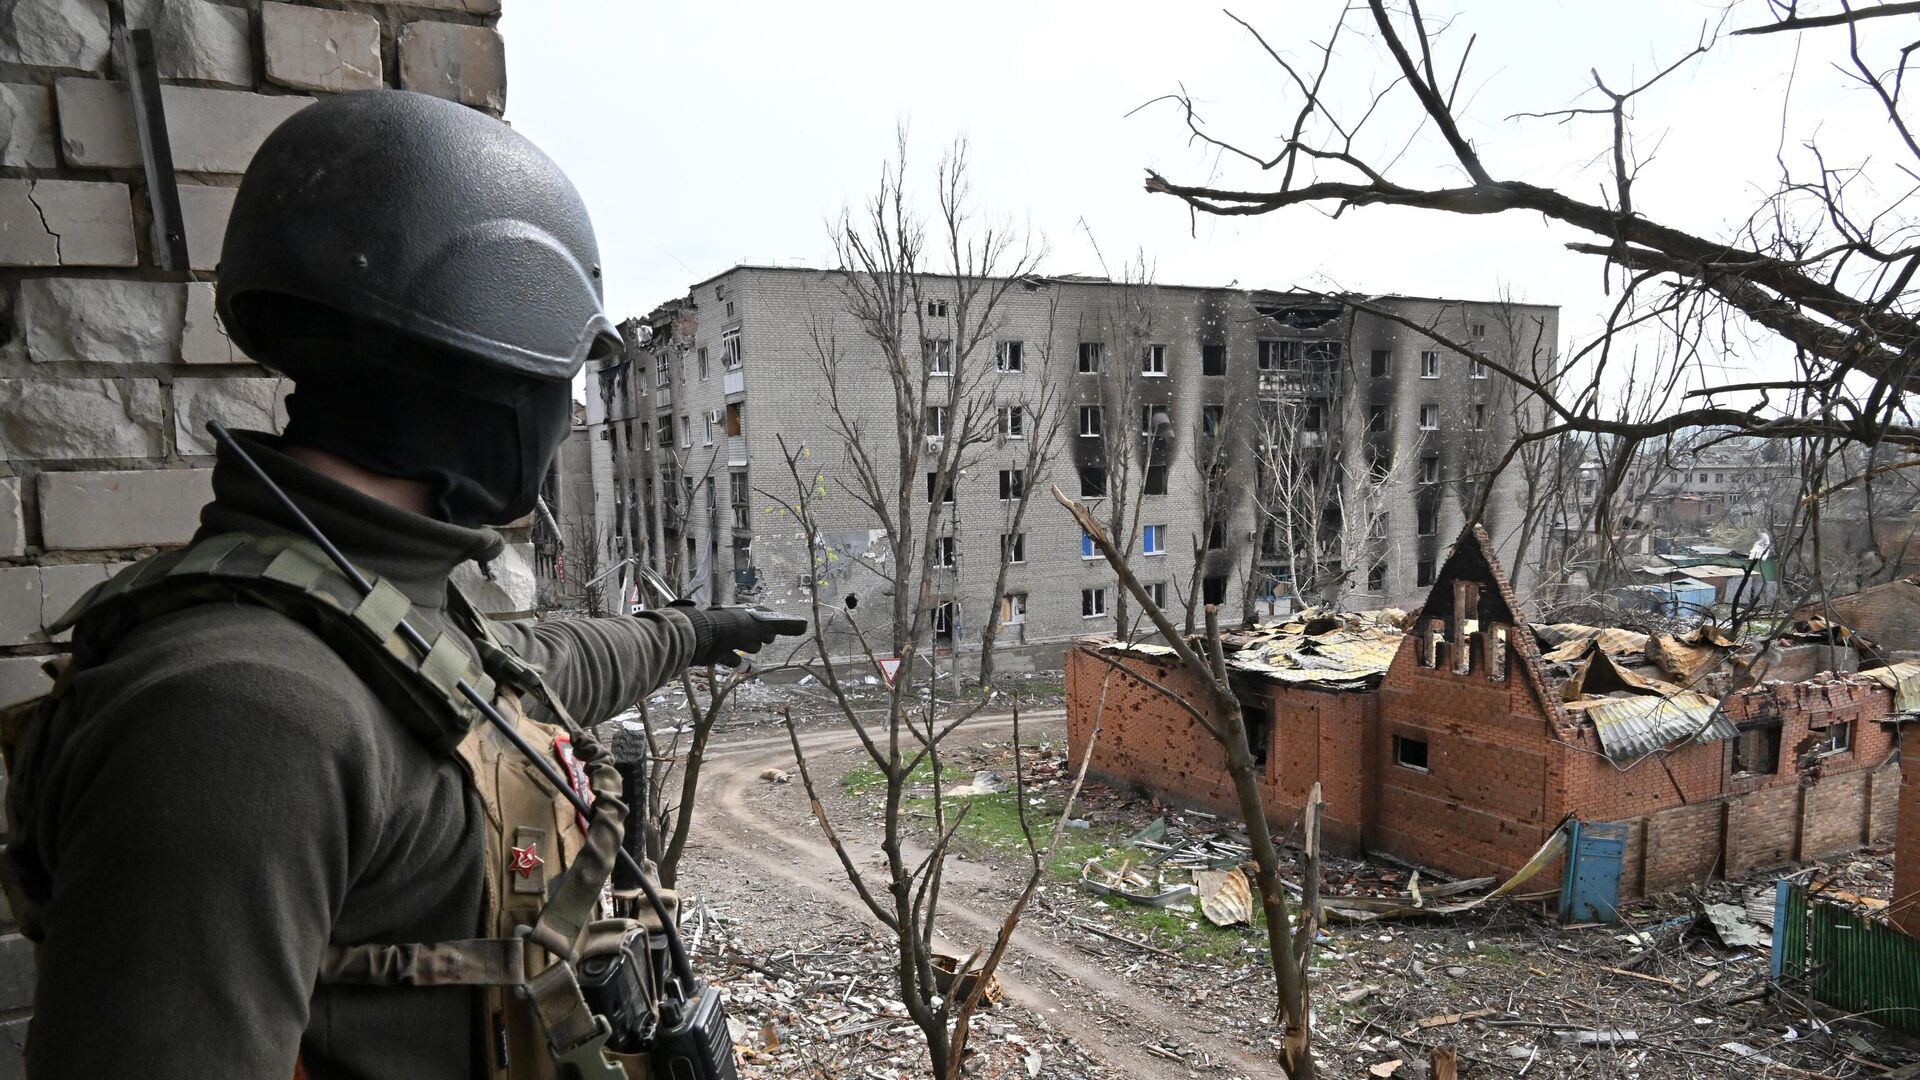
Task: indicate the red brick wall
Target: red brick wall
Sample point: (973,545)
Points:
(1148,741)
(1482,805)
(1905,908)
(1888,614)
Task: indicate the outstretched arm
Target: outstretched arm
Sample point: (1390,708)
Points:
(598,667)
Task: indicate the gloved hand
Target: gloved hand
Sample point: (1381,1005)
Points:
(721,634)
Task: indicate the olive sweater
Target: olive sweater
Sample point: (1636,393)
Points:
(233,799)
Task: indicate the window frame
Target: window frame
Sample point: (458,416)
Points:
(940,357)
(1476,368)
(732,350)
(1403,742)
(1429,417)
(1093,602)
(1429,363)
(1089,550)
(1013,548)
(1013,422)
(1010,357)
(1092,357)
(946,552)
(1013,485)
(1013,609)
(1380,364)
(1153,540)
(1096,413)
(1153,362)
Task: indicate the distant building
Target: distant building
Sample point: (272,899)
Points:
(564,538)
(687,432)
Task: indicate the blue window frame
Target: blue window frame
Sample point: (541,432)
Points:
(1153,540)
(1087,550)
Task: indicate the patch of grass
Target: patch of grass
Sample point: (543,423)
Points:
(868,779)
(1498,954)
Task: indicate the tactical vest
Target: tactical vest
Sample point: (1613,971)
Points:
(546,868)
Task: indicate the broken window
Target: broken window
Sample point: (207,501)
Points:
(1429,418)
(1088,550)
(686,432)
(1258,720)
(736,418)
(1093,603)
(1427,517)
(937,309)
(1476,368)
(1410,753)
(1430,469)
(1380,467)
(1312,419)
(1376,418)
(1013,484)
(1153,360)
(1013,547)
(661,372)
(939,356)
(1157,592)
(665,421)
(1216,536)
(713,421)
(1423,573)
(732,355)
(1013,609)
(945,618)
(1090,421)
(1429,364)
(1377,577)
(1757,750)
(1213,589)
(1156,420)
(1496,644)
(1091,357)
(936,421)
(1834,739)
(703,363)
(1268,356)
(1093,482)
(1382,364)
(1480,416)
(1155,480)
(1013,421)
(1011,357)
(944,550)
(939,488)
(1210,417)
(1213,359)
(1153,540)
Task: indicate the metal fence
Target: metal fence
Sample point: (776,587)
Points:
(1846,959)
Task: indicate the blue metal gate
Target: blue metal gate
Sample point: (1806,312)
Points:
(1590,887)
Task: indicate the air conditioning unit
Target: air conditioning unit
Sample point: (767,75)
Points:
(936,443)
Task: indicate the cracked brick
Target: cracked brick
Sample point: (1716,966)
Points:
(310,49)
(65,223)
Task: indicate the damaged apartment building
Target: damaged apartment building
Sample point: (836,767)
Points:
(1383,431)
(1461,736)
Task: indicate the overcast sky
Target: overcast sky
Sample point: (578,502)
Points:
(704,135)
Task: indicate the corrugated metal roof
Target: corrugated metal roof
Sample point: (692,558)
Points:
(1633,727)
(1335,658)
(1904,680)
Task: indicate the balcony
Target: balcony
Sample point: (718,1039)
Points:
(734,382)
(736,451)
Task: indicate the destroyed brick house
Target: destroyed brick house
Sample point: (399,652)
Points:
(1460,737)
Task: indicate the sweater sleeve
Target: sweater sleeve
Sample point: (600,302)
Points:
(599,667)
(202,829)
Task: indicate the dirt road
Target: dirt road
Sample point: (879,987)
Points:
(765,830)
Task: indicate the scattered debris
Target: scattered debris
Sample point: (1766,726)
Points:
(1226,899)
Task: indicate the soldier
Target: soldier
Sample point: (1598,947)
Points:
(252,837)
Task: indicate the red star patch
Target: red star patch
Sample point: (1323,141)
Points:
(525,860)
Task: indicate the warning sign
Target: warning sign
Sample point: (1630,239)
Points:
(889,667)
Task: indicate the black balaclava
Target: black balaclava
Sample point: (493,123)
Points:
(483,460)
(480,439)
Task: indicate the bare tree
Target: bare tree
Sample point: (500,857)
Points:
(1822,268)
(906,744)
(1218,712)
(931,314)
